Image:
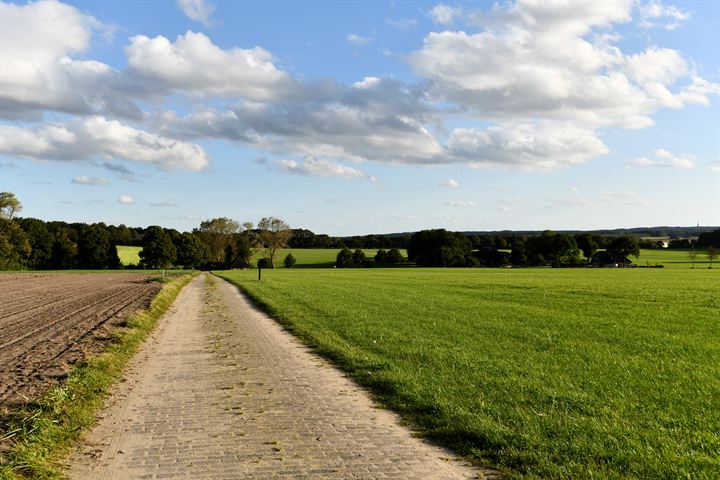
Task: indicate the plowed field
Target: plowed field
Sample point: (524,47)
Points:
(50,321)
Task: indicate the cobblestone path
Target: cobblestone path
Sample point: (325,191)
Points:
(220,391)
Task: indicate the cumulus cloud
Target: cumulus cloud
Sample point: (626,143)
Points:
(195,65)
(84,180)
(37,42)
(97,137)
(198,10)
(547,60)
(449,183)
(376,119)
(126,200)
(664,158)
(356,39)
(321,168)
(654,14)
(531,146)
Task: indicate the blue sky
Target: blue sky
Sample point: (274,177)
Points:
(363,117)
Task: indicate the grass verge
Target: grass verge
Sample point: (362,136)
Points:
(41,434)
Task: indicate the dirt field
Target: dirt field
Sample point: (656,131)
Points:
(49,321)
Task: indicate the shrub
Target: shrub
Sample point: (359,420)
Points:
(289,260)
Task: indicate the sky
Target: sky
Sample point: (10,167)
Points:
(365,117)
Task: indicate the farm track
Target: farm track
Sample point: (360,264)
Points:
(49,321)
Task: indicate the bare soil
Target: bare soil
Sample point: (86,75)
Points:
(50,321)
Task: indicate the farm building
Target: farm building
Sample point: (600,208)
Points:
(610,260)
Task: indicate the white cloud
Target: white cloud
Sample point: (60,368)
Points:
(548,60)
(37,41)
(126,200)
(193,64)
(715,166)
(356,39)
(449,183)
(654,14)
(321,168)
(528,146)
(97,137)
(664,158)
(198,10)
(461,203)
(444,14)
(84,180)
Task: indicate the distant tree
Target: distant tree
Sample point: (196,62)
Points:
(95,248)
(15,247)
(692,255)
(64,250)
(381,258)
(625,246)
(344,258)
(439,248)
(289,260)
(394,257)
(712,254)
(587,244)
(158,250)
(358,257)
(191,251)
(9,205)
(273,234)
(518,255)
(217,234)
(556,249)
(707,239)
(41,242)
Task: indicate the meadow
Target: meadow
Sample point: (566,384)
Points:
(129,255)
(540,373)
(314,257)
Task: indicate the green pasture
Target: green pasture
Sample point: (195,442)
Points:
(671,258)
(129,255)
(540,373)
(313,257)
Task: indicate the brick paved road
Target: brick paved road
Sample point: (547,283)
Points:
(220,391)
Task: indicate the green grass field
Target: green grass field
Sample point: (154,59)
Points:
(671,258)
(313,257)
(129,255)
(541,373)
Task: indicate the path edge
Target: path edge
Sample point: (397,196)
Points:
(42,433)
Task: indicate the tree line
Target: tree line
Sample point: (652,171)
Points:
(226,243)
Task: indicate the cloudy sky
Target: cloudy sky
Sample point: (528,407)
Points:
(363,117)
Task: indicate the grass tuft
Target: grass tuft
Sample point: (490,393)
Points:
(39,435)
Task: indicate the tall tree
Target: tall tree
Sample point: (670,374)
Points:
(217,234)
(95,248)
(14,245)
(273,234)
(9,205)
(625,246)
(158,250)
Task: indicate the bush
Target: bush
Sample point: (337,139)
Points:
(264,263)
(394,257)
(289,260)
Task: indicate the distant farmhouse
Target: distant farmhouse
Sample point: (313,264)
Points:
(610,260)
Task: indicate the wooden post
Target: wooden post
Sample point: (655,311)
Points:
(259,273)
